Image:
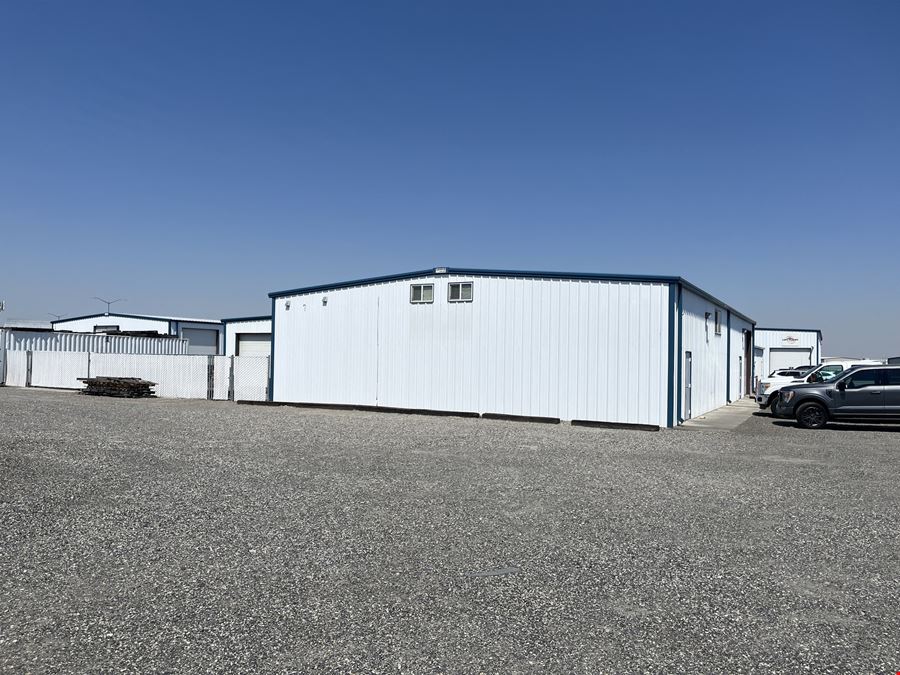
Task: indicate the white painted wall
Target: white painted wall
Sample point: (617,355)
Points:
(709,352)
(573,349)
(766,338)
(741,335)
(232,328)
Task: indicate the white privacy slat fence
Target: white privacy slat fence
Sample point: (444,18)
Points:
(175,376)
(223,378)
(58,369)
(251,378)
(16,369)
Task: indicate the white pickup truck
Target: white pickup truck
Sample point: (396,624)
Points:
(768,387)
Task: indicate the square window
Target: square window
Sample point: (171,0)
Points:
(459,292)
(421,293)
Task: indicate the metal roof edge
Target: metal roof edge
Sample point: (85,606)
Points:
(463,271)
(713,299)
(236,319)
(149,317)
(793,330)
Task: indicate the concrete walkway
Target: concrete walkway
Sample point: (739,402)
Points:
(727,417)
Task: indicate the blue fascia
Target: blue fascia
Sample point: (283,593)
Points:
(238,319)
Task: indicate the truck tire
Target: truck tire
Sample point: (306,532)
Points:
(812,416)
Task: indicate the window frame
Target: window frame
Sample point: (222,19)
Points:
(101,328)
(413,301)
(450,286)
(877,379)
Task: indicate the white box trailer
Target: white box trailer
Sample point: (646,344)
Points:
(648,350)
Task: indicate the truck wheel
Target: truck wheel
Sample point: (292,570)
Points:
(812,416)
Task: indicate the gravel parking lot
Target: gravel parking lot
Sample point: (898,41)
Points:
(201,536)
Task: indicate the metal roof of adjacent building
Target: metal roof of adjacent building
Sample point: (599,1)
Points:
(136,316)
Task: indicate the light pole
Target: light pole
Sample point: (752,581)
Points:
(108,302)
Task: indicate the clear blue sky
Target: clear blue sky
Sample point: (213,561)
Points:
(193,156)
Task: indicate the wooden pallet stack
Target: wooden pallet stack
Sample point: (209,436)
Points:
(121,387)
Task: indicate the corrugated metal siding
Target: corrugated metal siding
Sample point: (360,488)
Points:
(90,342)
(123,322)
(233,328)
(709,352)
(573,349)
(766,339)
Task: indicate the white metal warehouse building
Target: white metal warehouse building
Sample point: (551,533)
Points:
(608,348)
(248,336)
(777,348)
(204,336)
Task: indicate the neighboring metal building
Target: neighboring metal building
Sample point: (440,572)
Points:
(777,348)
(51,341)
(248,336)
(593,347)
(204,336)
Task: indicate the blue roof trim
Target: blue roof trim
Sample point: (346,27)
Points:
(162,319)
(264,317)
(793,330)
(466,271)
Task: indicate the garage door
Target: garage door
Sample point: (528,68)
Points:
(781,357)
(254,344)
(201,340)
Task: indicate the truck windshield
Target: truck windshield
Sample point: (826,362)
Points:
(825,373)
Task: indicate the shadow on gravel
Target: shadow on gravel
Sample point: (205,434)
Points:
(841,426)
(763,414)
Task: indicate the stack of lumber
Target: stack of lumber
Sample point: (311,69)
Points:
(123,387)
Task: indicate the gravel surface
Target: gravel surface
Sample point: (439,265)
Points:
(146,535)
